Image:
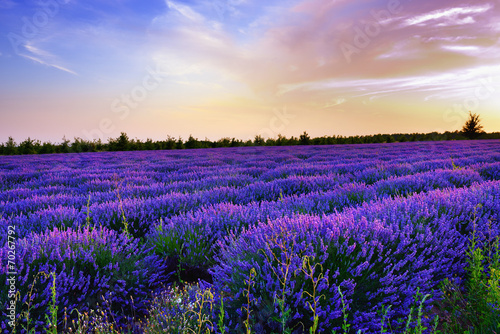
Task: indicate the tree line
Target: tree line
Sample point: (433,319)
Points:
(472,129)
(124,143)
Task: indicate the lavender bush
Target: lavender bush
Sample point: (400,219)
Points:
(378,255)
(93,266)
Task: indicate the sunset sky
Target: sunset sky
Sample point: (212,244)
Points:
(237,68)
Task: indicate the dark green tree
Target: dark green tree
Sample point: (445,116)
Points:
(10,147)
(192,142)
(122,142)
(472,128)
(224,142)
(259,141)
(168,144)
(389,139)
(281,141)
(47,147)
(80,145)
(64,147)
(236,142)
(28,146)
(270,142)
(148,144)
(179,144)
(304,139)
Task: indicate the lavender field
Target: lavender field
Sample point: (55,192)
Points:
(257,226)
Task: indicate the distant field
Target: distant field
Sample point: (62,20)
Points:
(381,219)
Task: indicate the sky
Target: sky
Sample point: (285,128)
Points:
(237,68)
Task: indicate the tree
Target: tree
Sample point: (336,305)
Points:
(10,147)
(28,146)
(179,144)
(281,141)
(192,142)
(224,142)
(47,147)
(148,144)
(64,147)
(259,141)
(122,142)
(304,139)
(472,128)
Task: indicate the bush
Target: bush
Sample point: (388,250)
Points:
(91,267)
(373,264)
(490,171)
(189,241)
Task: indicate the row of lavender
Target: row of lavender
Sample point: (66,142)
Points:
(57,191)
(182,204)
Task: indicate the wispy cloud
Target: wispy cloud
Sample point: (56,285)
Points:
(301,48)
(450,15)
(466,49)
(40,61)
(44,57)
(185,11)
(447,84)
(235,58)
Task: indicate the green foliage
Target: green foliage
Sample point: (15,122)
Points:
(418,327)
(192,142)
(10,147)
(247,309)
(27,311)
(475,308)
(259,141)
(309,271)
(29,146)
(304,139)
(169,242)
(47,148)
(220,322)
(124,143)
(345,315)
(64,147)
(52,319)
(80,145)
